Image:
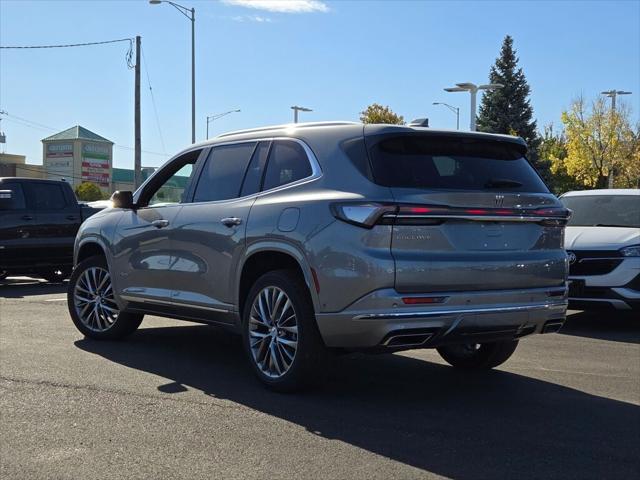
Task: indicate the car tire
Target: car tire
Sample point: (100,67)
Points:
(476,356)
(92,306)
(278,314)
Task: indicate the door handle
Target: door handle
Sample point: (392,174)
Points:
(230,221)
(71,217)
(27,217)
(160,223)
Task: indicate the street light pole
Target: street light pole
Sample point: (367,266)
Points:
(211,118)
(297,109)
(612,94)
(472,88)
(190,13)
(455,110)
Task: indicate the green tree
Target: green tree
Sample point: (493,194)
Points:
(508,109)
(376,113)
(88,192)
(552,153)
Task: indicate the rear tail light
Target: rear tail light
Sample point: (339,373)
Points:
(368,214)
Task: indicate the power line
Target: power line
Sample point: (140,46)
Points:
(130,40)
(39,126)
(153,100)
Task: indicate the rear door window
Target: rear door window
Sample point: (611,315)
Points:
(287,163)
(222,174)
(428,162)
(45,196)
(17,196)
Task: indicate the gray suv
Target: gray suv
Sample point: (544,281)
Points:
(338,236)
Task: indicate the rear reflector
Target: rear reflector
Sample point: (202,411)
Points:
(422,300)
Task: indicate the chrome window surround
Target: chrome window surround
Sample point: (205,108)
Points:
(316,170)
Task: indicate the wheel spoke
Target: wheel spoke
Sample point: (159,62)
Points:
(93,299)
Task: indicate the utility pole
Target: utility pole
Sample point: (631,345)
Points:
(137,156)
(612,94)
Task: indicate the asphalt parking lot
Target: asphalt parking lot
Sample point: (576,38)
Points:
(177,400)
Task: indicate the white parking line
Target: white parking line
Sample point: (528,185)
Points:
(56,299)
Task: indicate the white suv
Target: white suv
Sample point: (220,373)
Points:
(603,243)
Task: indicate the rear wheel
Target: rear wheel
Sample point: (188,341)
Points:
(280,334)
(91,303)
(478,356)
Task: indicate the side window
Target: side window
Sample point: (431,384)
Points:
(45,196)
(17,196)
(287,163)
(172,183)
(222,175)
(253,176)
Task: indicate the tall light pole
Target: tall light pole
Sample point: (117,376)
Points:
(190,13)
(297,109)
(472,88)
(455,110)
(211,118)
(612,94)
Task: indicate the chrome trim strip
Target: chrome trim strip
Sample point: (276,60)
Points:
(132,298)
(440,313)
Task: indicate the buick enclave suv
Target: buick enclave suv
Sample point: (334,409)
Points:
(339,236)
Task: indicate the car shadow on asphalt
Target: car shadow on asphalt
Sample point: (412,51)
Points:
(610,325)
(465,426)
(21,287)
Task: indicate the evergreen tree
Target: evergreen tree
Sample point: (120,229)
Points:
(508,110)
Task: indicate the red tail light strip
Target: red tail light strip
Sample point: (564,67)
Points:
(422,300)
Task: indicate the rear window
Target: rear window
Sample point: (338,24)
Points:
(45,196)
(412,161)
(604,210)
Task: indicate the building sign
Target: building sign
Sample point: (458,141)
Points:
(96,165)
(58,161)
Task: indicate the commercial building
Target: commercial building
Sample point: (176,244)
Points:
(12,165)
(78,155)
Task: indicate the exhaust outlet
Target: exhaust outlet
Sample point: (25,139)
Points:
(552,326)
(407,340)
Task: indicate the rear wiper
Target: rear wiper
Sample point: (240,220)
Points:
(502,183)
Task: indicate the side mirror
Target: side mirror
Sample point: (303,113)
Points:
(6,199)
(122,199)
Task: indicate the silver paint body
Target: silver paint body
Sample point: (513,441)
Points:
(493,273)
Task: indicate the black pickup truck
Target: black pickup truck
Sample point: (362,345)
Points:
(39,220)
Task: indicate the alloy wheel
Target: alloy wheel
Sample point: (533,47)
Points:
(93,299)
(273,332)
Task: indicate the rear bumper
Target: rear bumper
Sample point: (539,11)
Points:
(464,318)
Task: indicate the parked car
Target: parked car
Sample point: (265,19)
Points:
(603,242)
(39,220)
(333,236)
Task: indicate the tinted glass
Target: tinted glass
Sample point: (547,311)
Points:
(45,196)
(222,175)
(601,210)
(413,161)
(288,162)
(17,196)
(253,176)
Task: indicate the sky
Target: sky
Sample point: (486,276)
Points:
(335,57)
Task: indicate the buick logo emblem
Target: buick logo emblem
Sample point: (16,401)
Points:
(572,258)
(499,200)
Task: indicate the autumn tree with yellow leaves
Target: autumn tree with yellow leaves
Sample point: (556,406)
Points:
(602,148)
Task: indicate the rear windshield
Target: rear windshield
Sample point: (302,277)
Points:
(411,161)
(604,210)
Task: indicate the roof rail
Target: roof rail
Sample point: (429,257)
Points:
(287,125)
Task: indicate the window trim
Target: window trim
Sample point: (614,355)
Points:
(316,170)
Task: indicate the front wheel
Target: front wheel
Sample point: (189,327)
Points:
(478,356)
(280,334)
(91,303)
